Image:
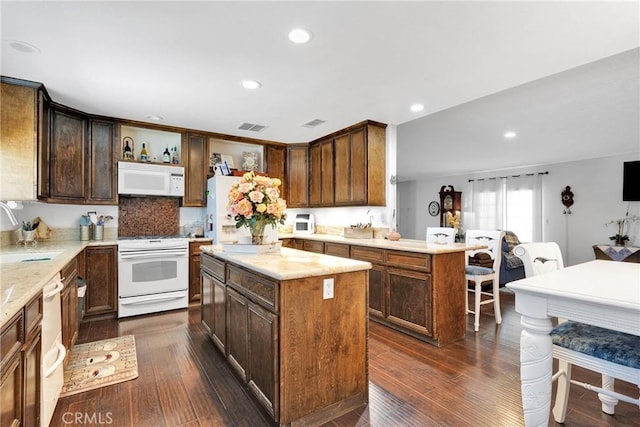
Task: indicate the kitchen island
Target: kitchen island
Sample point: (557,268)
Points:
(415,287)
(293,326)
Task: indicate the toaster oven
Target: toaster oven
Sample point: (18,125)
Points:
(304,224)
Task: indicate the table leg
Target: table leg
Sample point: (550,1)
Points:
(536,366)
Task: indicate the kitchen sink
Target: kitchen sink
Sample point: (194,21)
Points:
(28,257)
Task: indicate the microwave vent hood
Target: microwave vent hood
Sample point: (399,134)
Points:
(145,179)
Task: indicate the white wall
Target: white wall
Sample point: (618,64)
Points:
(597,187)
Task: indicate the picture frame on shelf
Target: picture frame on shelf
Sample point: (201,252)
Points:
(250,161)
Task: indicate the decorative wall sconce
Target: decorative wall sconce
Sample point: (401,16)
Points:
(567,200)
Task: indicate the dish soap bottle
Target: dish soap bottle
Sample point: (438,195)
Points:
(166,156)
(143,154)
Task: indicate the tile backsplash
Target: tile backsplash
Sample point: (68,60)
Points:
(148,216)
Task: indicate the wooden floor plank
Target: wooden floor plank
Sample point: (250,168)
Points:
(184,381)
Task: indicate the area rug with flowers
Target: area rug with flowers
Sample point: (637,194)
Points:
(100,363)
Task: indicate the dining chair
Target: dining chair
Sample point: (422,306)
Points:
(441,235)
(483,268)
(611,353)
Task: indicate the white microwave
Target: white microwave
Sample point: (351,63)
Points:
(144,179)
(304,224)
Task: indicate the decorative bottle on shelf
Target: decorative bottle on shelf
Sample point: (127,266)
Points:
(166,156)
(143,154)
(175,159)
(128,154)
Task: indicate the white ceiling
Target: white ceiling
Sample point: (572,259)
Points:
(184,61)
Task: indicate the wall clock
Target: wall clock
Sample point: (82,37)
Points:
(434,208)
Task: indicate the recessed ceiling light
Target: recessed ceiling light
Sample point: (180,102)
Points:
(251,84)
(299,35)
(510,135)
(416,108)
(23,47)
(155,118)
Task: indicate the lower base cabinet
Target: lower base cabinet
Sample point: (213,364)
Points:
(102,280)
(20,361)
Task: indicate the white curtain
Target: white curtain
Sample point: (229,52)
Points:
(511,203)
(486,204)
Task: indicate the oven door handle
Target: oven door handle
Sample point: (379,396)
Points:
(154,299)
(149,255)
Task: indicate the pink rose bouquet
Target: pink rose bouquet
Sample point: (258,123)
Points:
(255,201)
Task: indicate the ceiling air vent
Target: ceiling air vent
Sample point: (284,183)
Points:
(313,123)
(251,127)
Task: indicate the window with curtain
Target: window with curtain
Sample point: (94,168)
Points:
(511,203)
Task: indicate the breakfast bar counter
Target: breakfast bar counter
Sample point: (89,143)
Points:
(415,287)
(293,326)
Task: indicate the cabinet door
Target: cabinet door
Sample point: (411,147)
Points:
(196,165)
(101,277)
(237,337)
(376,290)
(67,162)
(263,369)
(351,168)
(342,147)
(276,158)
(219,333)
(297,177)
(31,356)
(206,301)
(102,161)
(409,300)
(11,391)
(315,175)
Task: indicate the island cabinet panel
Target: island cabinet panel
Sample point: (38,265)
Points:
(411,260)
(313,246)
(336,249)
(238,332)
(449,313)
(314,374)
(410,300)
(206,300)
(377,280)
(262,372)
(219,318)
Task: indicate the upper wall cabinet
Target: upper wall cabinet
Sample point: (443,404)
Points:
(24,121)
(77,161)
(297,176)
(196,161)
(349,168)
(276,165)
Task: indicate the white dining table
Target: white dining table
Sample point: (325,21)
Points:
(601,293)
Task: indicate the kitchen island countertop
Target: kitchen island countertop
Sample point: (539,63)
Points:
(287,263)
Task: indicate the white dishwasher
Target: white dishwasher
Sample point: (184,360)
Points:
(53,351)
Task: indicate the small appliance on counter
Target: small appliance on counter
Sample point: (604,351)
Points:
(304,224)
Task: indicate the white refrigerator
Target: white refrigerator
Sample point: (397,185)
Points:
(219,223)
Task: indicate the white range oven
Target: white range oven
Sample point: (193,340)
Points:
(153,274)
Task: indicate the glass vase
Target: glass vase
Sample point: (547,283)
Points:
(257,232)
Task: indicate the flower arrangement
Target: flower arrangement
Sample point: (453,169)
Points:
(255,202)
(621,238)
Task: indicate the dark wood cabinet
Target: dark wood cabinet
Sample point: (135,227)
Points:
(69,305)
(102,173)
(206,300)
(214,300)
(321,191)
(20,366)
(297,176)
(238,332)
(219,301)
(196,163)
(68,144)
(337,249)
(409,300)
(195,281)
(263,365)
(276,165)
(313,246)
(102,279)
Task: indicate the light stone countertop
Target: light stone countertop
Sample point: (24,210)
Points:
(21,281)
(287,263)
(408,245)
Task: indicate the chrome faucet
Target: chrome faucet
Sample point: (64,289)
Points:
(9,212)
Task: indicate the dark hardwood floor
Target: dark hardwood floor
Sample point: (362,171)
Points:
(183,380)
